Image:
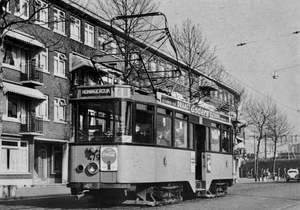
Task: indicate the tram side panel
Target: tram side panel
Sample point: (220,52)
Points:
(217,167)
(135,164)
(152,164)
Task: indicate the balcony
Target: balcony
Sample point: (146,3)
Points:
(31,125)
(31,74)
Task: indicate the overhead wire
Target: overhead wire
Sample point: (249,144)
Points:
(252,87)
(259,40)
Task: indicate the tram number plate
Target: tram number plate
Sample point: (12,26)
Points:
(94,156)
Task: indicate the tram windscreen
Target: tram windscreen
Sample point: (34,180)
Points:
(104,121)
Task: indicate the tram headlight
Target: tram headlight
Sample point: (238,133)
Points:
(92,168)
(80,168)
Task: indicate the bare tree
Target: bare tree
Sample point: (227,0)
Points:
(239,111)
(258,113)
(194,50)
(277,125)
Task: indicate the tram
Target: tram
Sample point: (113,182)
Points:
(140,149)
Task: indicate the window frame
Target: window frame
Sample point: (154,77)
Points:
(44,13)
(89,35)
(19,161)
(42,110)
(17,55)
(61,60)
(43,63)
(59,25)
(5,114)
(59,110)
(73,24)
(22,13)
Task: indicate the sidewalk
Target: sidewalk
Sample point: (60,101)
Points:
(39,191)
(251,180)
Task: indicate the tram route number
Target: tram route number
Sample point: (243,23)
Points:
(94,156)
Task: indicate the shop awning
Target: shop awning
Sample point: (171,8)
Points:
(30,40)
(35,96)
(79,62)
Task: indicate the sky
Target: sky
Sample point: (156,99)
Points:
(266,26)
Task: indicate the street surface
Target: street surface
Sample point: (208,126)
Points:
(242,196)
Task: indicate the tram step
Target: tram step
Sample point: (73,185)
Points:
(200,189)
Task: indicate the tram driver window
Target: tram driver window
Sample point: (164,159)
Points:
(144,124)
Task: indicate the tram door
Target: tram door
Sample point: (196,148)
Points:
(200,148)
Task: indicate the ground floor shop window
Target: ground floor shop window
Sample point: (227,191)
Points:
(14,156)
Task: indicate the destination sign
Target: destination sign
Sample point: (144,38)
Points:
(194,109)
(96,92)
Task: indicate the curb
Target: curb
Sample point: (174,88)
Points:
(32,197)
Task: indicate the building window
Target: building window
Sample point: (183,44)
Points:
(42,60)
(7,7)
(14,156)
(75,29)
(59,21)
(13,107)
(22,8)
(89,35)
(42,111)
(152,65)
(15,57)
(59,110)
(59,64)
(41,15)
(57,156)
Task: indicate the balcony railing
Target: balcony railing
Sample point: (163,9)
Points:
(31,124)
(31,72)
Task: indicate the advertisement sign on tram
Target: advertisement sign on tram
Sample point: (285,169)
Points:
(109,157)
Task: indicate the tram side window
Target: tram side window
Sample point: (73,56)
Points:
(181,128)
(164,127)
(124,122)
(191,136)
(144,124)
(215,140)
(226,142)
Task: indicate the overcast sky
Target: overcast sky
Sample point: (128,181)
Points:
(266,26)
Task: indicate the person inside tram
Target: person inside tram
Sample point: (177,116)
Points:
(225,147)
(139,134)
(96,136)
(178,138)
(161,140)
